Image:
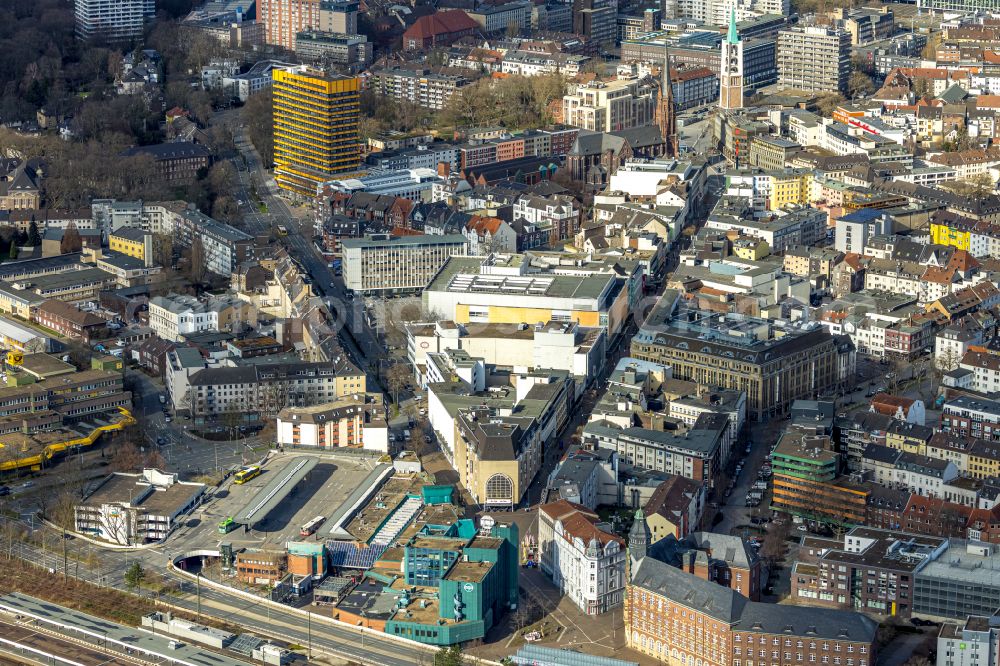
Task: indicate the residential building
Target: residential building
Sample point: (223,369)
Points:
(174,316)
(355,421)
(814,58)
(856,229)
(581,556)
(315,128)
(487,235)
(969,416)
(339,16)
(263,390)
(255,80)
(873,571)
(610,106)
(112,20)
(70,321)
(969,642)
(284,19)
(223,247)
(135,509)
(675,508)
(423,87)
(397,264)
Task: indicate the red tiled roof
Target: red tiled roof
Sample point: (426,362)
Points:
(440,23)
(480,224)
(579,522)
(883,403)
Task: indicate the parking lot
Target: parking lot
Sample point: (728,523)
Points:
(319,494)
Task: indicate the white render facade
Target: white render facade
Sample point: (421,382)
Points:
(116,20)
(590,573)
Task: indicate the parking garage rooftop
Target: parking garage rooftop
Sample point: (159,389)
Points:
(276,490)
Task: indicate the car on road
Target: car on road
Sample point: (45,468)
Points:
(802,528)
(27,484)
(167,419)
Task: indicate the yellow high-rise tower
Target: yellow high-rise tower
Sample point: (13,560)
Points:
(315,127)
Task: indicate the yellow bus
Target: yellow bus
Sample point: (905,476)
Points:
(247,473)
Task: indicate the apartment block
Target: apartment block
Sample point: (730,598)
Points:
(423,87)
(284,19)
(264,390)
(814,59)
(585,561)
(355,421)
(611,106)
(113,20)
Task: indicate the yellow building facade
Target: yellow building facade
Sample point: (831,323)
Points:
(315,128)
(954,236)
(132,242)
(790,187)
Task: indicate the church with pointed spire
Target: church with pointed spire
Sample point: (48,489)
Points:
(731,68)
(666,111)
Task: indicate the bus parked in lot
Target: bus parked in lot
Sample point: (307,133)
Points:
(247,473)
(310,528)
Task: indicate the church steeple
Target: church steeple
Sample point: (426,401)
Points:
(666,114)
(639,538)
(731,68)
(732,36)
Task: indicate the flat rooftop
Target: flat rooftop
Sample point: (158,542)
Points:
(469,572)
(45,365)
(380,506)
(276,490)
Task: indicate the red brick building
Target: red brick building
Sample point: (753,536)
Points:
(442,28)
(69,321)
(679,618)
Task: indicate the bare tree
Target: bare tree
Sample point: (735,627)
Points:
(196,261)
(397,377)
(71,240)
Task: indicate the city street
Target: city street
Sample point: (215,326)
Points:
(184,452)
(357,339)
